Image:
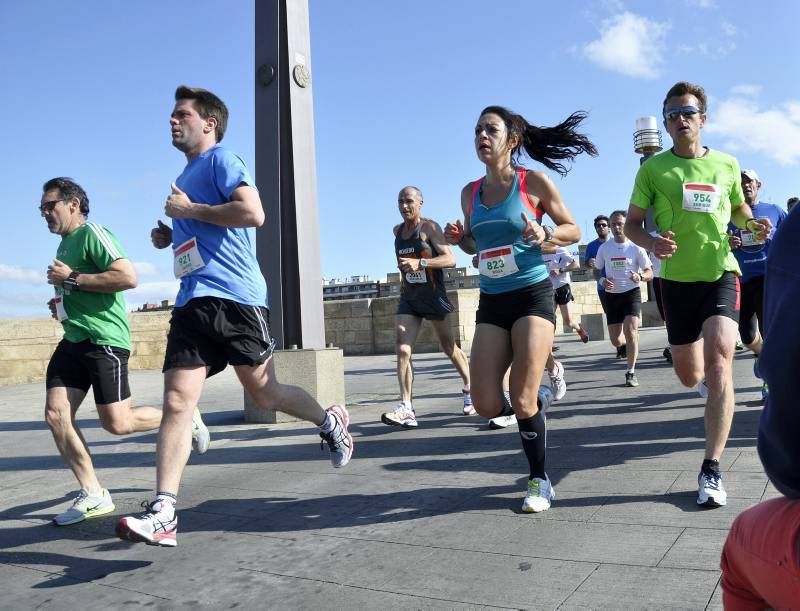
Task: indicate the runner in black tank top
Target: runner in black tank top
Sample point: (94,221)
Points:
(422,291)
(422,254)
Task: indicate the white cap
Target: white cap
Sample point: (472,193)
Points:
(751,174)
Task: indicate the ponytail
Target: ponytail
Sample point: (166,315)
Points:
(547,145)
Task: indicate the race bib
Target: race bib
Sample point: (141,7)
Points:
(701,197)
(750,239)
(187,258)
(618,267)
(497,262)
(61,313)
(417,277)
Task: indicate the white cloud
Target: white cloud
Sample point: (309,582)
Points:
(717,46)
(746,90)
(145,268)
(21,274)
(702,3)
(773,132)
(630,44)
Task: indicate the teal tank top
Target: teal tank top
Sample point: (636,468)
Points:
(505,261)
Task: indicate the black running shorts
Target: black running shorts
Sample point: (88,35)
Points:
(687,305)
(214,332)
(84,364)
(435,308)
(563,295)
(752,309)
(504,309)
(620,305)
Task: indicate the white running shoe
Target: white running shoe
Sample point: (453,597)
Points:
(501,422)
(557,380)
(401,416)
(86,506)
(539,496)
(339,440)
(201,438)
(158,525)
(711,490)
(469,410)
(702,389)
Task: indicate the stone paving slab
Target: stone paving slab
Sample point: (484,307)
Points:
(421,519)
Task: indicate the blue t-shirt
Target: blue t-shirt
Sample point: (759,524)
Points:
(779,429)
(591,253)
(231,270)
(753,259)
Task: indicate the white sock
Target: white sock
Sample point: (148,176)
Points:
(407,405)
(631,370)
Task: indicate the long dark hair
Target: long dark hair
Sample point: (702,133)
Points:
(547,145)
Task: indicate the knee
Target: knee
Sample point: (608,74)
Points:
(487,404)
(403,352)
(449,348)
(117,427)
(689,378)
(57,417)
(717,375)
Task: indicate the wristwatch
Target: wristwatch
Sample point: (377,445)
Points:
(423,263)
(548,233)
(71,283)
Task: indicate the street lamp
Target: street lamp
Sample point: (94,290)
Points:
(646,138)
(647,142)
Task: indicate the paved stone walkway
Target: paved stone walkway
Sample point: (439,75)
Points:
(420,519)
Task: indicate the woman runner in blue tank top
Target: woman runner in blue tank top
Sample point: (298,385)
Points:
(516,318)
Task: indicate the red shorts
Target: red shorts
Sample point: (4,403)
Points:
(761,558)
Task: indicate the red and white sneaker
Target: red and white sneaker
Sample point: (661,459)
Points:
(158,525)
(339,440)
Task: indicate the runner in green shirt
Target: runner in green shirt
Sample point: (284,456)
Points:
(694,193)
(89,273)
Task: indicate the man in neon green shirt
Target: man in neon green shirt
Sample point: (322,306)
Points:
(694,193)
(89,273)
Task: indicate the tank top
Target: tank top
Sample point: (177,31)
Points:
(425,284)
(505,261)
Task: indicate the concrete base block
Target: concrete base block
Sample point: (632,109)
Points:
(595,325)
(319,372)
(650,315)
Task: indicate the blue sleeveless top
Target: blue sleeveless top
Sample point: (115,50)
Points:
(501,226)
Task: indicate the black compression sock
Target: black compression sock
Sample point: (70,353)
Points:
(533,432)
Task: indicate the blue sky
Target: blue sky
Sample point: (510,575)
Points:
(397,89)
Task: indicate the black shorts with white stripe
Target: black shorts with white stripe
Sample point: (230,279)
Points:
(215,332)
(84,364)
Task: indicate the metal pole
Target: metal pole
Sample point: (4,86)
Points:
(287,246)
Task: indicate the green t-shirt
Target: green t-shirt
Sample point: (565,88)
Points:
(693,198)
(99,317)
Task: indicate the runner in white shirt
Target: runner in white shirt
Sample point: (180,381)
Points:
(560,264)
(625,265)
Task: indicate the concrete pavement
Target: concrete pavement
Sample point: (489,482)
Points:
(427,518)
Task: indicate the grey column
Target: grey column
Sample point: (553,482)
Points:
(287,245)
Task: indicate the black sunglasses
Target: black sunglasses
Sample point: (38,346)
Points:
(49,206)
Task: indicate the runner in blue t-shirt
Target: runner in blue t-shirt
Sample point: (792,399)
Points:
(752,257)
(221,315)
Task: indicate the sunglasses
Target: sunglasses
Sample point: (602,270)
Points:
(49,206)
(684,111)
(601,225)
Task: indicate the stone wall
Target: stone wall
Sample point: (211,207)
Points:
(27,343)
(358,326)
